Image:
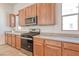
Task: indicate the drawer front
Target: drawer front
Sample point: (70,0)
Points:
(72,46)
(67,52)
(52,51)
(53,43)
(38,40)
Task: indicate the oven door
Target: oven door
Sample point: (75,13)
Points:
(27,44)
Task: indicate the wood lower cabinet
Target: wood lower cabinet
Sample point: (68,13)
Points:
(52,48)
(38,47)
(18,42)
(13,40)
(67,52)
(6,36)
(52,51)
(46,47)
(9,39)
(70,49)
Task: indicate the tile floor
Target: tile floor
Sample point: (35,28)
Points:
(6,50)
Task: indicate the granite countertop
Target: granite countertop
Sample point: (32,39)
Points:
(16,32)
(59,38)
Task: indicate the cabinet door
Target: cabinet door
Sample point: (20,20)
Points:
(67,52)
(52,51)
(38,49)
(29,11)
(6,36)
(18,42)
(13,40)
(22,17)
(12,20)
(33,10)
(46,13)
(26,12)
(9,40)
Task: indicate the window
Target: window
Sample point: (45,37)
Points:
(69,16)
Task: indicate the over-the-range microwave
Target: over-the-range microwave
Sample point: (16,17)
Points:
(31,21)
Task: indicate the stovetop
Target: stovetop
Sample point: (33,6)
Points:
(29,34)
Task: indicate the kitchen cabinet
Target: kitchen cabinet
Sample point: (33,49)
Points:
(22,17)
(6,36)
(9,39)
(52,48)
(44,47)
(67,52)
(12,20)
(13,40)
(70,49)
(38,47)
(31,11)
(52,51)
(18,42)
(46,13)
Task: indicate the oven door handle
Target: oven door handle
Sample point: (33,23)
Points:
(26,38)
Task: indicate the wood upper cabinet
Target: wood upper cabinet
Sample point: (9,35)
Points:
(26,12)
(52,48)
(18,42)
(22,17)
(31,11)
(9,39)
(46,13)
(12,20)
(38,47)
(13,40)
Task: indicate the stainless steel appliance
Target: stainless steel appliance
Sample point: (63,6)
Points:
(27,40)
(31,21)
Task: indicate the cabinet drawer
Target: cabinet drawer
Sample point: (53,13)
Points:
(53,43)
(73,46)
(67,52)
(38,40)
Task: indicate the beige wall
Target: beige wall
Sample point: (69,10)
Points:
(4,11)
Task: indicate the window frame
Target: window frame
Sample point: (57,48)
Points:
(69,15)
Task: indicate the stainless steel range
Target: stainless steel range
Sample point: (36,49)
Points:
(27,40)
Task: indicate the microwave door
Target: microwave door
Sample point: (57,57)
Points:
(31,21)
